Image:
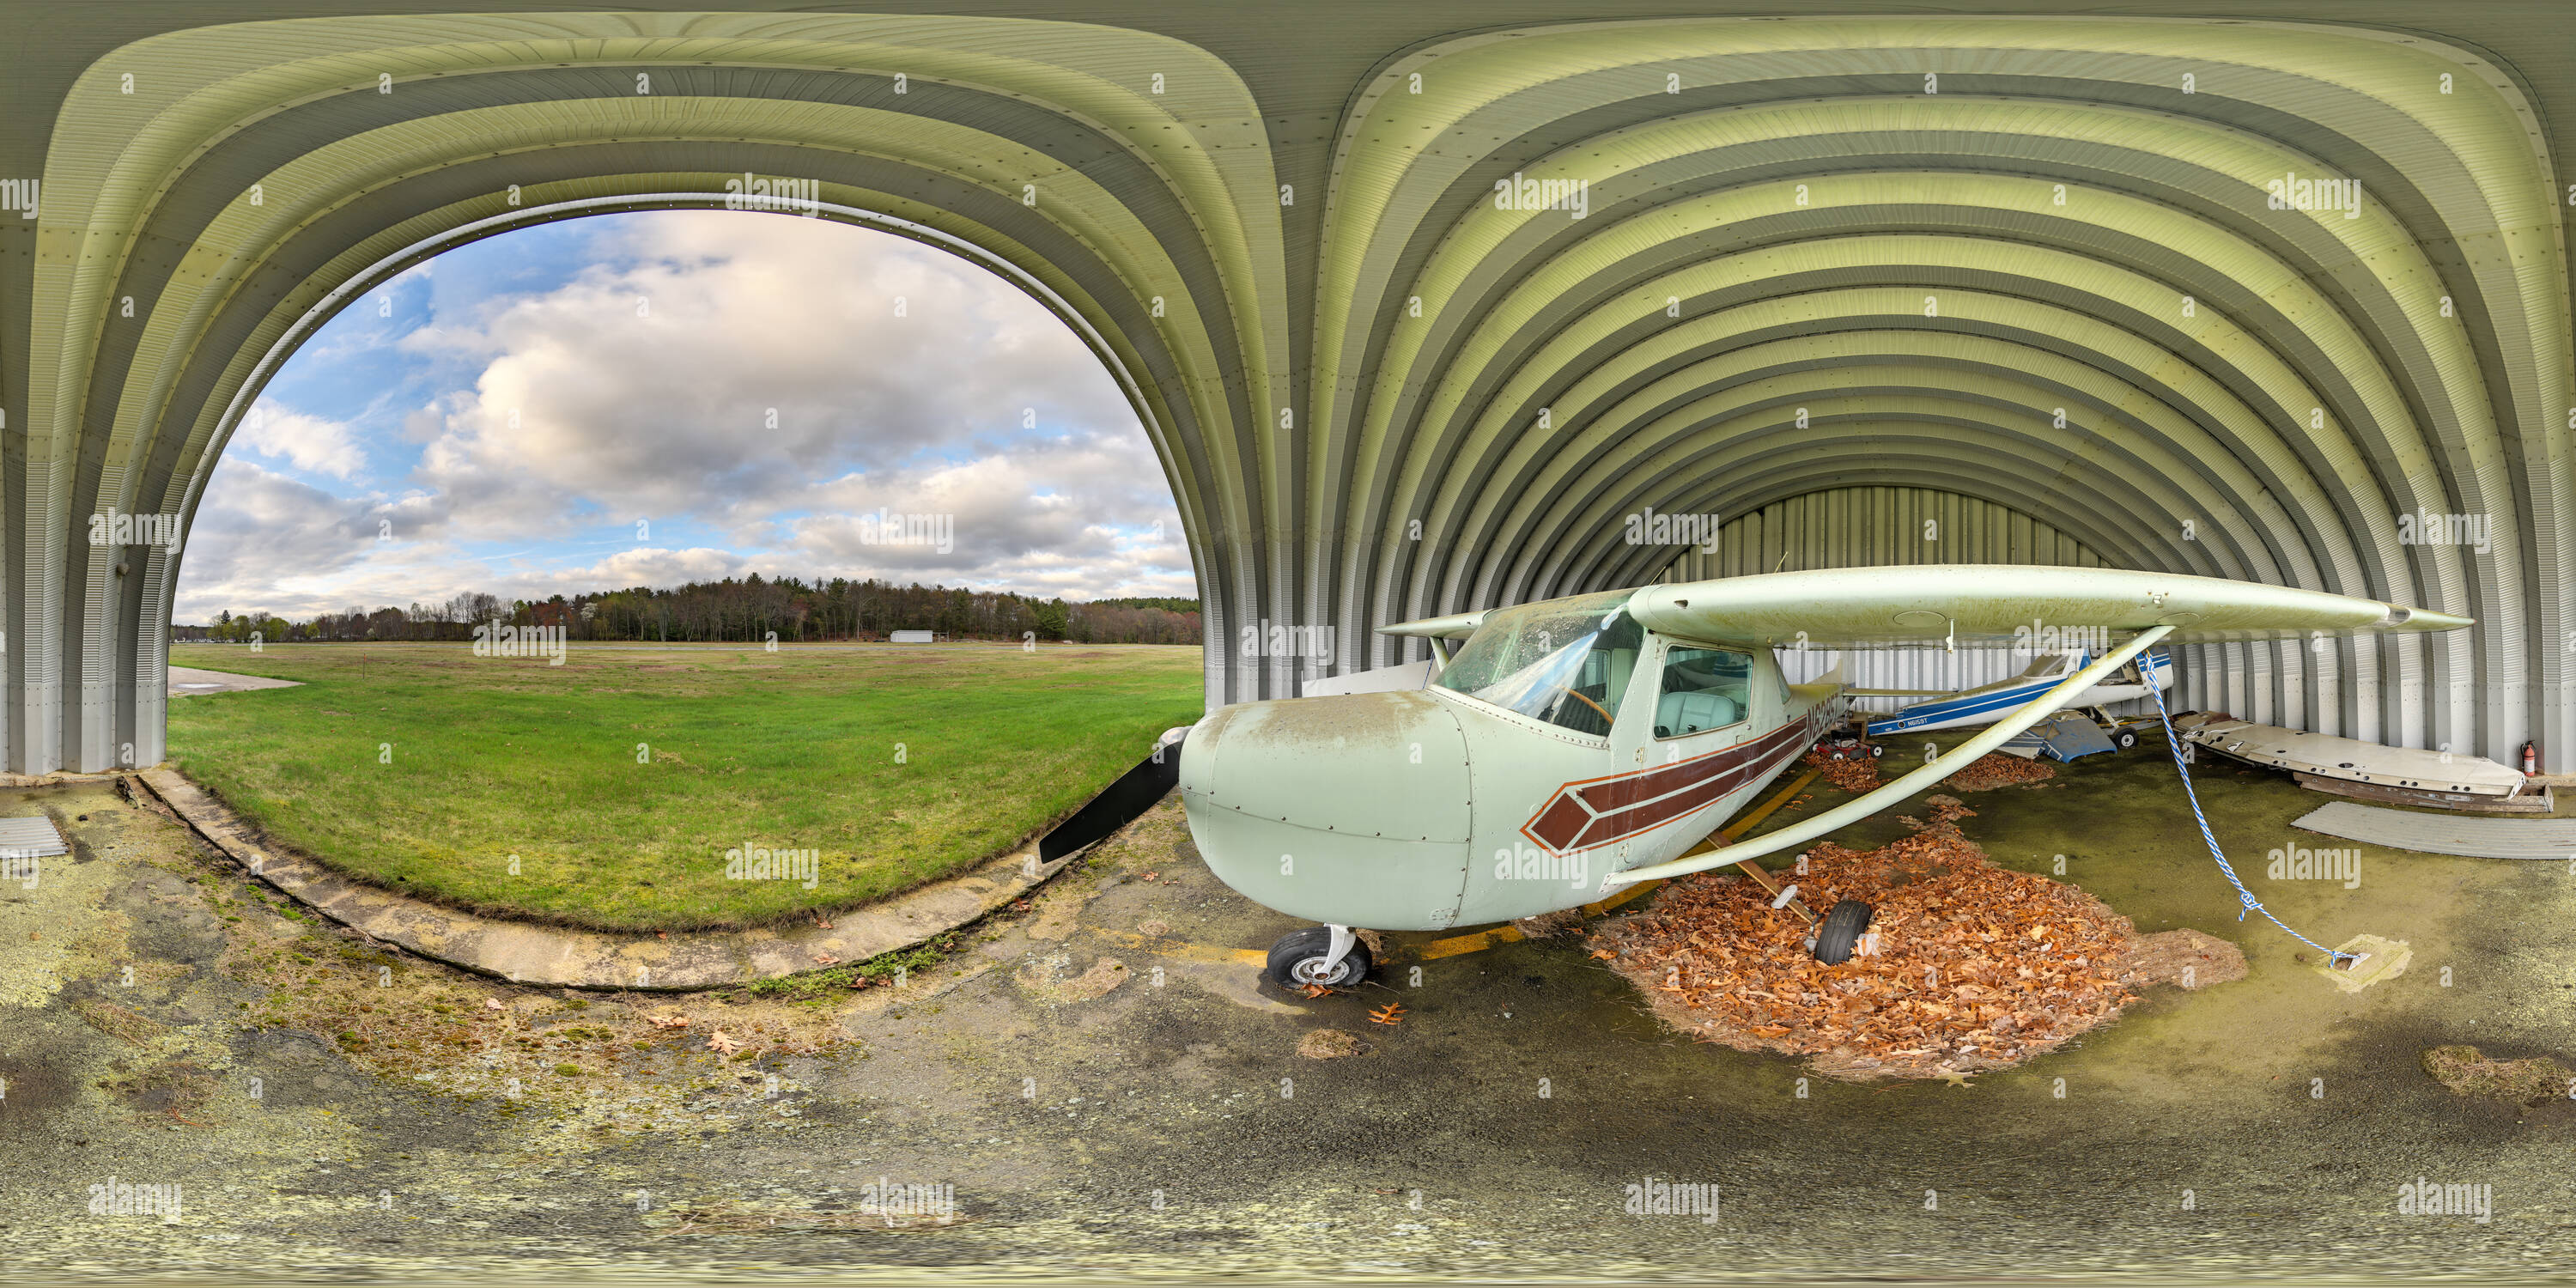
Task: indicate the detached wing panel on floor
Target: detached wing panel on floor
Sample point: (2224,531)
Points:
(1998,603)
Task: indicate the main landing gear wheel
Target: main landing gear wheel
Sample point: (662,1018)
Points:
(2125,739)
(1303,957)
(1839,933)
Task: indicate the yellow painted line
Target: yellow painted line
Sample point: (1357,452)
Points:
(1478,942)
(1163,947)
(1625,894)
(1763,810)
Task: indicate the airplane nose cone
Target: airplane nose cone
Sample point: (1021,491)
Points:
(1350,809)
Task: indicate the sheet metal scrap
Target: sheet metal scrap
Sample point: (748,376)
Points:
(1976,966)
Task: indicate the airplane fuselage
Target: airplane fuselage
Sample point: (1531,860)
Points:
(1988,703)
(1432,808)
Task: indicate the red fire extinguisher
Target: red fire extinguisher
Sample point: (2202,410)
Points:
(2530,760)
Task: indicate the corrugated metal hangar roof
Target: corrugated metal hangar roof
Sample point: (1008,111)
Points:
(1418,303)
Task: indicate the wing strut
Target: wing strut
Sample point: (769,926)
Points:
(2030,713)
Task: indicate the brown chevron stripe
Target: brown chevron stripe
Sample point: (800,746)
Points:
(1598,811)
(1637,788)
(1629,822)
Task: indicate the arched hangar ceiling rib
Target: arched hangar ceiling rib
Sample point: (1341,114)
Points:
(1612,260)
(1505,456)
(1779,465)
(2264,277)
(1644,302)
(1502,87)
(1810,373)
(2414,393)
(1179,111)
(1869,524)
(2135,515)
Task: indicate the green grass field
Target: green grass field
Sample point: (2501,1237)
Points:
(899,765)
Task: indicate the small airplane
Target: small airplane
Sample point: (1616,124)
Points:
(1983,704)
(1570,746)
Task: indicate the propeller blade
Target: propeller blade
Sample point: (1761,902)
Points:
(1119,804)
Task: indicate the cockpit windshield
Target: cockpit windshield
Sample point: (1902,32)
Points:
(1565,661)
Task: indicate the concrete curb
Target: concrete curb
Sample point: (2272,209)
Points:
(65,778)
(555,956)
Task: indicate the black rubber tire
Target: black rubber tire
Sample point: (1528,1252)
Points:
(1876,751)
(2125,739)
(1312,944)
(1839,933)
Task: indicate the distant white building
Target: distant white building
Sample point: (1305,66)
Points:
(911,637)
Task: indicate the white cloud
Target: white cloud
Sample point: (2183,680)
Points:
(262,540)
(643,566)
(307,442)
(734,361)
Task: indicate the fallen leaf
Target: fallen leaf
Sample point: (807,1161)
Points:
(670,1021)
(1391,1013)
(722,1045)
(494,1003)
(826,959)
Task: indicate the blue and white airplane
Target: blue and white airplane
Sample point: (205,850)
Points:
(1987,703)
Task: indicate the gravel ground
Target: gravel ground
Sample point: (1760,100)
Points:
(1167,1128)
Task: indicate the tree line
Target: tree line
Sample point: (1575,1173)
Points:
(743,610)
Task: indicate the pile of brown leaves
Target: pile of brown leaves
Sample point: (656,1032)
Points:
(1996,769)
(1945,809)
(1856,774)
(1977,967)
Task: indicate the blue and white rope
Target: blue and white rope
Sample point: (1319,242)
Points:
(2173,743)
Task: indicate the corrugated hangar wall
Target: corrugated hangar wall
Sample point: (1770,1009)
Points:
(1415,314)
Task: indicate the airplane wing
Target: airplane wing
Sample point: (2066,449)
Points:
(1998,603)
(1454,626)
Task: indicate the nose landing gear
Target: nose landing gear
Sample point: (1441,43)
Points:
(1328,955)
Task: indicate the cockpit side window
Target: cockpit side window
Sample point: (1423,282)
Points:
(1704,689)
(1566,662)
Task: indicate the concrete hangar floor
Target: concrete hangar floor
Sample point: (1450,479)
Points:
(1107,1089)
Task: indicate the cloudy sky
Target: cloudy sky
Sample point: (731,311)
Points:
(652,398)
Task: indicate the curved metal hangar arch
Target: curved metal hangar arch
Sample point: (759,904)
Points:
(1418,318)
